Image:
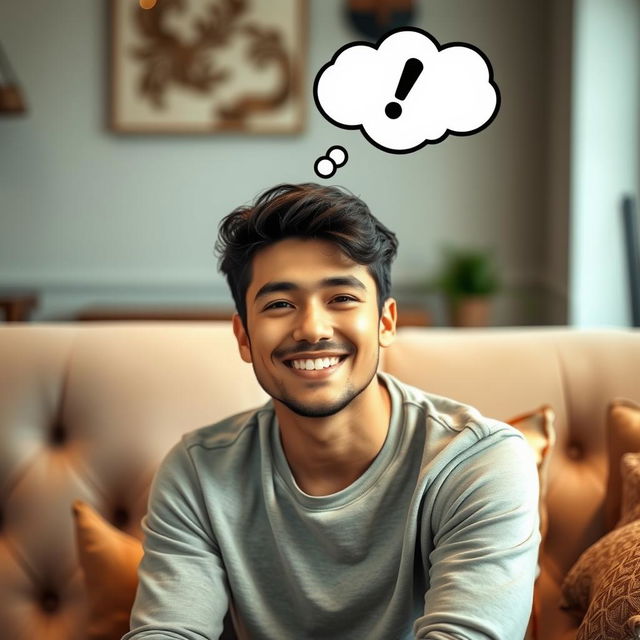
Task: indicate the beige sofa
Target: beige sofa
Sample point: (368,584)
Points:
(89,411)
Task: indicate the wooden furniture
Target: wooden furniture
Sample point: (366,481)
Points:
(17,304)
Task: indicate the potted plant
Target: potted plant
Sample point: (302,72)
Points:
(468,279)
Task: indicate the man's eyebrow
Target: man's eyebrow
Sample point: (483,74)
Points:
(325,283)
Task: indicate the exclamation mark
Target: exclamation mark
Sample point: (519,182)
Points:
(412,70)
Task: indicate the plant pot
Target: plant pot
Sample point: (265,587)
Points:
(471,311)
(11,100)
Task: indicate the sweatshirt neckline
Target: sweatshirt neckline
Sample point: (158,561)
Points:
(360,486)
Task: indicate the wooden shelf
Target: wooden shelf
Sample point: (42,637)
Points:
(17,304)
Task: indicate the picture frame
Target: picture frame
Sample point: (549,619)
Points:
(207,66)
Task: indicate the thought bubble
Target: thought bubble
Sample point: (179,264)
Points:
(326,166)
(407,90)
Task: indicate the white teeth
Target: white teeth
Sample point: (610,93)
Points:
(318,363)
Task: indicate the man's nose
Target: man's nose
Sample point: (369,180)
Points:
(313,323)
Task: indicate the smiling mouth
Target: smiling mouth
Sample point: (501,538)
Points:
(315,364)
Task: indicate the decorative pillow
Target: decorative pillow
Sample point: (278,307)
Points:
(538,429)
(630,467)
(623,435)
(604,584)
(109,559)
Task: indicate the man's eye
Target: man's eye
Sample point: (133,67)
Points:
(344,299)
(278,304)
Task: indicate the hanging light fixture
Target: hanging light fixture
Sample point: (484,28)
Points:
(11,98)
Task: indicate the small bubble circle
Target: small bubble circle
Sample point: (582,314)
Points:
(325,167)
(338,155)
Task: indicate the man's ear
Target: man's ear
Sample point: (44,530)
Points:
(388,319)
(244,344)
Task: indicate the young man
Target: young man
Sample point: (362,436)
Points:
(350,506)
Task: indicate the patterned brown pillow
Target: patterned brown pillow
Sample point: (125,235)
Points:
(604,584)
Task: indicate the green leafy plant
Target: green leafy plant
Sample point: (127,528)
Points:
(468,272)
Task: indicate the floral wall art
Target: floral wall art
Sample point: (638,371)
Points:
(207,66)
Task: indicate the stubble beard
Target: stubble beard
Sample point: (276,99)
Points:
(319,411)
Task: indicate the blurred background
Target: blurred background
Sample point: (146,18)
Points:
(527,214)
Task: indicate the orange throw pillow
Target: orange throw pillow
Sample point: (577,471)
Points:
(109,559)
(623,436)
(539,430)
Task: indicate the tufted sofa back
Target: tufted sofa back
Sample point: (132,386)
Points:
(89,411)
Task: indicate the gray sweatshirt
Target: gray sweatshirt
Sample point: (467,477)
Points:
(438,539)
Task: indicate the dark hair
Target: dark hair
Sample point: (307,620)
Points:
(305,210)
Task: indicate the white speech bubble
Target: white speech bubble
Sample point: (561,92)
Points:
(448,90)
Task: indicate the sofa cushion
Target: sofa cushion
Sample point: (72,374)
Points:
(604,584)
(623,435)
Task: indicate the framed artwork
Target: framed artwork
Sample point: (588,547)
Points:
(207,66)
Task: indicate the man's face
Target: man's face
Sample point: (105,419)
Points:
(313,332)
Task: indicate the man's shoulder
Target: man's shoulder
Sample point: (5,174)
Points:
(456,435)
(450,415)
(230,430)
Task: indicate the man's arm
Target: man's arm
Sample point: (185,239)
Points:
(485,547)
(181,592)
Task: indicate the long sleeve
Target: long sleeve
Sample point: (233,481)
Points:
(182,592)
(485,545)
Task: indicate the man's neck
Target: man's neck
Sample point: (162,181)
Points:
(327,455)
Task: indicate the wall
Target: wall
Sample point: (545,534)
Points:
(605,151)
(89,216)
(559,162)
